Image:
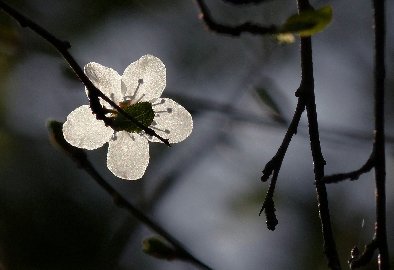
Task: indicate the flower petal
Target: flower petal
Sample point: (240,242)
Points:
(106,80)
(145,79)
(171,121)
(128,155)
(83,130)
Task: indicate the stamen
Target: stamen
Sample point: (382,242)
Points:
(140,98)
(140,82)
(124,90)
(168,110)
(159,102)
(162,130)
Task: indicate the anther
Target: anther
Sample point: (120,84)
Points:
(162,130)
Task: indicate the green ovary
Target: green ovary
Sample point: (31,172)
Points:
(141,111)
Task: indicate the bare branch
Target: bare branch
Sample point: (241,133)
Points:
(232,30)
(308,92)
(274,165)
(353,175)
(379,142)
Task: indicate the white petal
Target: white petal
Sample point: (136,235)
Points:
(83,130)
(128,155)
(171,121)
(144,79)
(106,80)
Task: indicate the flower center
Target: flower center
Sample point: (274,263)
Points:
(141,111)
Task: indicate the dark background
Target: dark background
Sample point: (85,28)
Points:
(205,190)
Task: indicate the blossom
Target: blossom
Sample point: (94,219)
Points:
(138,93)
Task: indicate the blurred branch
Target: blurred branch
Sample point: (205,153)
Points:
(353,175)
(202,104)
(79,156)
(245,2)
(185,163)
(233,30)
(93,92)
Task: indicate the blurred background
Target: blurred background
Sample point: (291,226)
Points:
(205,190)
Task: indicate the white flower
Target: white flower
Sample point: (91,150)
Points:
(137,92)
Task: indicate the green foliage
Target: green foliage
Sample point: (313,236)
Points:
(308,23)
(141,111)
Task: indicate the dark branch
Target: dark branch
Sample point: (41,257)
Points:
(93,93)
(363,259)
(233,30)
(308,92)
(79,156)
(379,143)
(274,165)
(353,175)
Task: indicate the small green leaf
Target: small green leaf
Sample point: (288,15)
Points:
(156,247)
(141,111)
(308,23)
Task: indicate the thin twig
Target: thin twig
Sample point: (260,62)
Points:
(353,175)
(307,87)
(379,143)
(274,165)
(233,30)
(79,156)
(93,93)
